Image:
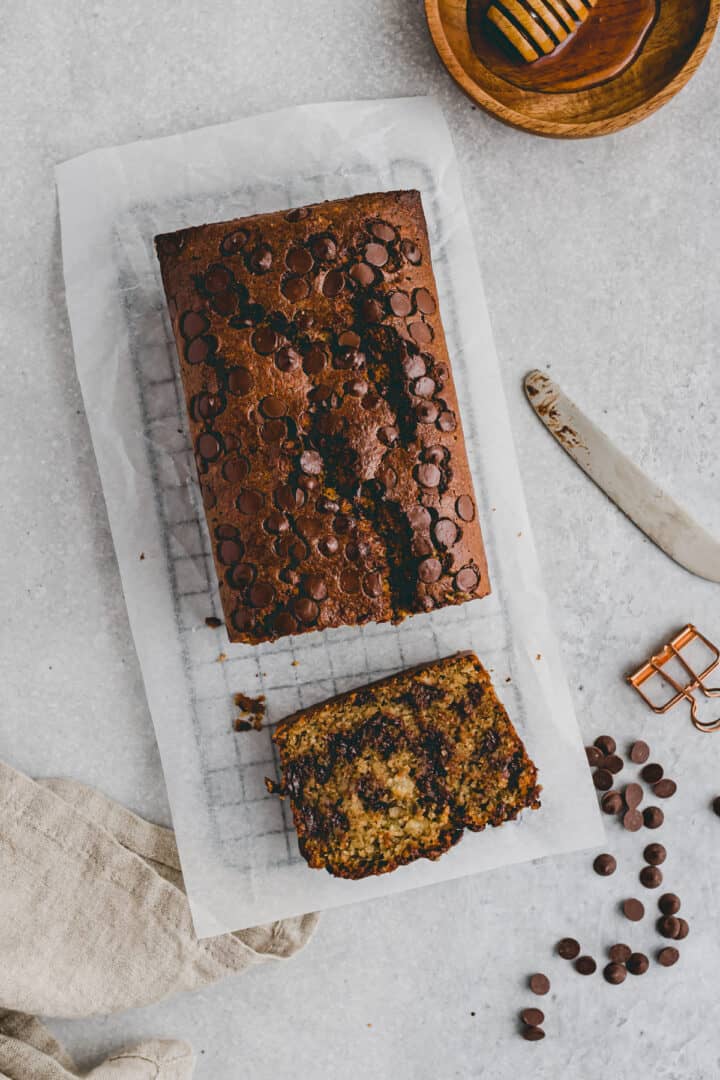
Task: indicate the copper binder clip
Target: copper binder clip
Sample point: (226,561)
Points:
(656,666)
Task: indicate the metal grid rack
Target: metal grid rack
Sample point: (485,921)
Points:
(248,824)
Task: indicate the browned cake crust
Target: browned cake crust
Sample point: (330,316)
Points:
(395,771)
(324,416)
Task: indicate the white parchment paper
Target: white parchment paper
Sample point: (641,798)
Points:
(237,846)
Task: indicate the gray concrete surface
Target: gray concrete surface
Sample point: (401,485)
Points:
(600,264)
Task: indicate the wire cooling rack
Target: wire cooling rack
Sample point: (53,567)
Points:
(248,824)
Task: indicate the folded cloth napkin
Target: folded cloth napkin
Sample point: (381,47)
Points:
(95,919)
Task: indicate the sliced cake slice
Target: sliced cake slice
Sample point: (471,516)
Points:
(395,771)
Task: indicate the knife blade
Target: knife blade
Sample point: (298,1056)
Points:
(649,507)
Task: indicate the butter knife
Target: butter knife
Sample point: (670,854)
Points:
(646,504)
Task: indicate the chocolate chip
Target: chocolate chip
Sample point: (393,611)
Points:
(193,324)
(308,527)
(315,587)
(264,340)
(373,584)
(421,546)
(532,1017)
(411,252)
(295,288)
(665,788)
(311,462)
(209,446)
(376,254)
(314,359)
(669,903)
(445,532)
(426,412)
(655,854)
(436,454)
(240,381)
(333,283)
(539,983)
(400,304)
(326,505)
(466,580)
(371,311)
(241,575)
(651,877)
(229,552)
(594,756)
(388,435)
(668,926)
(276,523)
(199,350)
(287,359)
(274,431)
(424,302)
(652,773)
(639,752)
(429,570)
(633,910)
(287,498)
(533,1034)
(653,817)
(568,948)
(261,259)
(299,260)
(683,930)
(383,231)
(250,502)
(234,242)
(633,795)
(620,954)
(356,387)
(350,581)
(638,964)
(226,532)
(419,517)
(585,965)
(285,623)
(413,367)
(428,475)
(218,279)
(225,303)
(273,407)
(602,780)
(297,214)
(465,508)
(362,274)
(668,956)
(605,865)
(324,248)
(632,821)
(329,545)
(306,610)
(606,744)
(242,619)
(261,594)
(612,802)
(447,421)
(421,332)
(614,974)
(613,764)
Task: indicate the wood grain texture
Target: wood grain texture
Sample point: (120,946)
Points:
(671,53)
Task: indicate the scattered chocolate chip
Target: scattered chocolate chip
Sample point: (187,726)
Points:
(651,877)
(683,930)
(613,764)
(539,983)
(612,802)
(665,788)
(652,773)
(655,854)
(606,744)
(594,756)
(585,965)
(614,974)
(568,948)
(668,956)
(533,1034)
(669,903)
(619,954)
(638,963)
(653,817)
(633,795)
(668,926)
(602,780)
(605,865)
(639,752)
(632,820)
(633,910)
(532,1017)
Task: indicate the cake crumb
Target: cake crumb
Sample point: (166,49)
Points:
(142,556)
(213,622)
(295,663)
(539,656)
(254,708)
(222,657)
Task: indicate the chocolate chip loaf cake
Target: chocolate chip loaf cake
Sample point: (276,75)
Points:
(395,771)
(324,416)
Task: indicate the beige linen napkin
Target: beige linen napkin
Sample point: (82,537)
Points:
(94,919)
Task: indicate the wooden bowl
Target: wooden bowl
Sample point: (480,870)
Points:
(626,61)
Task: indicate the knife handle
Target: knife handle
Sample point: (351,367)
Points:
(535,28)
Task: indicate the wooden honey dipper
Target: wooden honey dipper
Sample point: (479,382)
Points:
(535,28)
